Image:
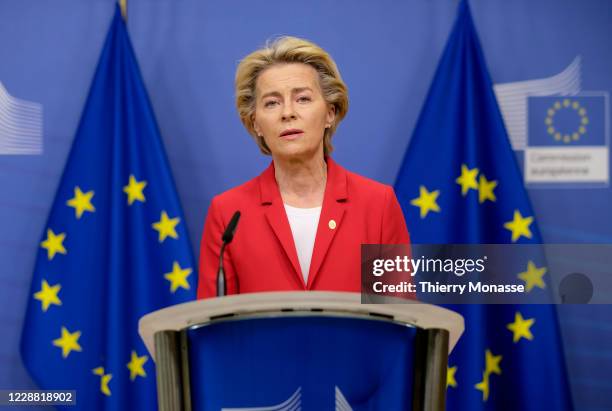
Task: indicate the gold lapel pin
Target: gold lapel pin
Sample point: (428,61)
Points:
(332,224)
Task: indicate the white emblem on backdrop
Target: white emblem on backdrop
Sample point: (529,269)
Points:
(20,125)
(294,403)
(512,98)
(341,402)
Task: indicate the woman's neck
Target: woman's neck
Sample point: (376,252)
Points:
(301,183)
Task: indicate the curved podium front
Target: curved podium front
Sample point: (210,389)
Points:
(300,351)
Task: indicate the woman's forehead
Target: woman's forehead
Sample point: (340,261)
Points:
(287,77)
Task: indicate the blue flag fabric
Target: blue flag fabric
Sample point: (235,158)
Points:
(460,183)
(115,247)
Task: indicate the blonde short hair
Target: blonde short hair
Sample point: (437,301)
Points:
(286,50)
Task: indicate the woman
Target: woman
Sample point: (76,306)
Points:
(305,217)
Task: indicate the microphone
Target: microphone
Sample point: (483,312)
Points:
(228,236)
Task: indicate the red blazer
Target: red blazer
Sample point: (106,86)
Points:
(262,256)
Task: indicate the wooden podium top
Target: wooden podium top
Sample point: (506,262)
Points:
(316,303)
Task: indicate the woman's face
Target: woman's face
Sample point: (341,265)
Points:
(290,111)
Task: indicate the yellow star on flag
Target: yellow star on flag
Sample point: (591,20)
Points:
(485,189)
(134,190)
(484,386)
(81,202)
(54,244)
(136,366)
(519,226)
(521,328)
(48,295)
(166,226)
(450,377)
(533,276)
(467,179)
(178,277)
(492,363)
(426,201)
(68,342)
(104,380)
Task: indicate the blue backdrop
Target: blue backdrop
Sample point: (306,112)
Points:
(387,52)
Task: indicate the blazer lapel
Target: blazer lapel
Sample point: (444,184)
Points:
(277,218)
(334,203)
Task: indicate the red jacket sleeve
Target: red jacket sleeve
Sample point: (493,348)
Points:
(210,247)
(394,229)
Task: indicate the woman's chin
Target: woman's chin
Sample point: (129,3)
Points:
(295,153)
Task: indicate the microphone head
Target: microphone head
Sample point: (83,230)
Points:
(228,234)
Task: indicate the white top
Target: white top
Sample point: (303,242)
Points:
(304,223)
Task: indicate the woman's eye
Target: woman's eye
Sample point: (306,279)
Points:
(270,103)
(303,99)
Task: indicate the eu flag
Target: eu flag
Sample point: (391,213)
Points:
(460,183)
(115,247)
(567,121)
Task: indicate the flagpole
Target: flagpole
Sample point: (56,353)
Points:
(123,5)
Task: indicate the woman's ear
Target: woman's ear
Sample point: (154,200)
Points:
(255,126)
(331,114)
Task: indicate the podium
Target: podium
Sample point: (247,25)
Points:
(300,351)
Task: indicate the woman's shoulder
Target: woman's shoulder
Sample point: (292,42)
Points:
(255,191)
(367,184)
(364,186)
(239,195)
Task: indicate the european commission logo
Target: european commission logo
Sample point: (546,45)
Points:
(20,125)
(568,139)
(567,121)
(562,130)
(294,403)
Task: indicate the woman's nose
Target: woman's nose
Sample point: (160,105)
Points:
(288,112)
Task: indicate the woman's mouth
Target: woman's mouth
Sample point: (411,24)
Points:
(291,134)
